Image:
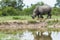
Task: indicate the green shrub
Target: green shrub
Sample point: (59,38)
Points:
(0,13)
(56,11)
(10,11)
(21,18)
(16,18)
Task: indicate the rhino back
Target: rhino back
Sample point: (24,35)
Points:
(44,8)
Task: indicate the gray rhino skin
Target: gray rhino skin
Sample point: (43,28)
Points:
(42,10)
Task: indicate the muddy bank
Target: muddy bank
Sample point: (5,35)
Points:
(22,25)
(37,25)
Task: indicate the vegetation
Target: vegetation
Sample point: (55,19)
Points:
(58,3)
(15,8)
(29,18)
(13,3)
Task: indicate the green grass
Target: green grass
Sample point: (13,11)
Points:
(6,18)
(29,18)
(4,36)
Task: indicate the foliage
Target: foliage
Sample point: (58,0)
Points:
(0,13)
(12,8)
(28,11)
(16,18)
(58,3)
(56,11)
(13,3)
(9,11)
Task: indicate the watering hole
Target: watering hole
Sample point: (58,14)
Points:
(29,35)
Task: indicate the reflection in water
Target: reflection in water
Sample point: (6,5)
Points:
(32,36)
(55,35)
(43,36)
(27,36)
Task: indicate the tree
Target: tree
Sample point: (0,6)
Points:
(18,4)
(10,11)
(40,3)
(58,3)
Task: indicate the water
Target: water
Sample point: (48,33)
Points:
(28,35)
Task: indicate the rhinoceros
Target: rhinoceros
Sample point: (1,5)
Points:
(42,10)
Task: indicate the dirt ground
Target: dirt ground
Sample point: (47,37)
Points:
(16,24)
(21,25)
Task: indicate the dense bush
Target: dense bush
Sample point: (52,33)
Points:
(27,11)
(56,11)
(9,11)
(0,13)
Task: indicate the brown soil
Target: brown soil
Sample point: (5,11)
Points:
(15,24)
(21,25)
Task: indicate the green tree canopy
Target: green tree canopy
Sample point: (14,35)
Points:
(58,3)
(18,4)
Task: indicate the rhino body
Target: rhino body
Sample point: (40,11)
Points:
(42,10)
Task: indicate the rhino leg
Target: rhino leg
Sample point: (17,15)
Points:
(49,15)
(41,16)
(38,16)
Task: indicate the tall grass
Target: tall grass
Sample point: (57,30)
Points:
(6,18)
